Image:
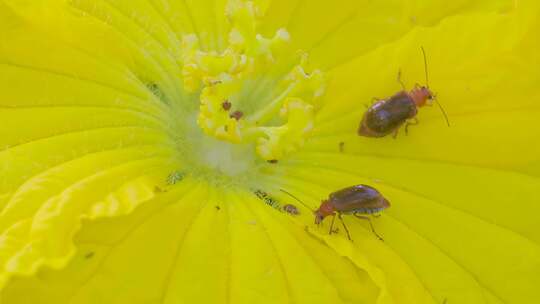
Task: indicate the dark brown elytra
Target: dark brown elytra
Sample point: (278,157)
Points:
(356,200)
(386,116)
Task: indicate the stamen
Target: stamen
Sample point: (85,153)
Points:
(280,126)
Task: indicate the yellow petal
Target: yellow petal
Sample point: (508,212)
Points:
(101,199)
(245,248)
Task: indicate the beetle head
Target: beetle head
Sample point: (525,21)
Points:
(422,96)
(324,210)
(318,217)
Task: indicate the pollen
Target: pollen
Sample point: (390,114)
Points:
(243,98)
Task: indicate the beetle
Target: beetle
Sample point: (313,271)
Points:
(386,116)
(357,200)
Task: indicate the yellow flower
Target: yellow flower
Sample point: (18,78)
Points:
(144,145)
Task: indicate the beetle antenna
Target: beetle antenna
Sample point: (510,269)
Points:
(427,86)
(425,66)
(443,111)
(297,199)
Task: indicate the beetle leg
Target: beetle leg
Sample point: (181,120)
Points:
(332,224)
(414,123)
(344,226)
(370,224)
(395,133)
(341,147)
(400,81)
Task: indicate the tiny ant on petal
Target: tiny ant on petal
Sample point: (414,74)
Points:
(386,116)
(358,200)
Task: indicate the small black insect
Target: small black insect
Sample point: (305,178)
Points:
(291,209)
(175,177)
(267,199)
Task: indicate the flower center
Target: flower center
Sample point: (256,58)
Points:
(253,102)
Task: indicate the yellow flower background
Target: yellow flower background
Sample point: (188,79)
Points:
(91,126)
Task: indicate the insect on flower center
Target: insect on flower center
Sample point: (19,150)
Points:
(249,92)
